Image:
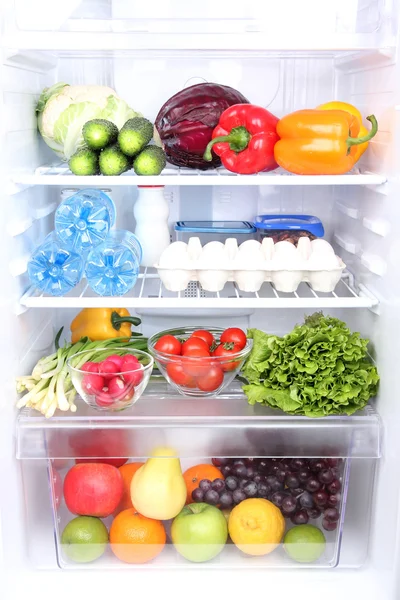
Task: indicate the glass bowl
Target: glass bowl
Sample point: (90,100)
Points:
(184,373)
(106,385)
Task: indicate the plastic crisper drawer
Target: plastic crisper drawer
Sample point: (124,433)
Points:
(225,427)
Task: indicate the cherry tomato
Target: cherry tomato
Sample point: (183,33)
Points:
(168,344)
(178,375)
(205,335)
(197,362)
(195,344)
(225,351)
(212,380)
(235,335)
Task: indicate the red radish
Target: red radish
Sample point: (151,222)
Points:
(130,359)
(120,390)
(132,374)
(103,398)
(118,360)
(92,383)
(108,369)
(90,367)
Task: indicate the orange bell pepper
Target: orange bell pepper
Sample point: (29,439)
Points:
(336,105)
(320,142)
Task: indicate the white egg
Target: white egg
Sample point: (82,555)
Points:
(322,247)
(250,246)
(284,249)
(175,256)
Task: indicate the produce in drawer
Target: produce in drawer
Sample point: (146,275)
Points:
(158,489)
(63,110)
(200,532)
(320,142)
(84,539)
(127,473)
(244,139)
(186,121)
(205,473)
(136,539)
(304,543)
(320,368)
(256,526)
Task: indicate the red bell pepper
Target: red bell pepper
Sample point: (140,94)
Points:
(244,139)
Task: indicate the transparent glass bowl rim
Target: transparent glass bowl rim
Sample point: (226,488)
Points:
(113,350)
(178,331)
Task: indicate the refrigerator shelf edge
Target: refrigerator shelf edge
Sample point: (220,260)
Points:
(60,175)
(222,426)
(149,292)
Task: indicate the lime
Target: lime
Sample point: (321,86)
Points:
(304,543)
(84,539)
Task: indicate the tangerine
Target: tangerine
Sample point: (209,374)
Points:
(127,472)
(136,539)
(195,474)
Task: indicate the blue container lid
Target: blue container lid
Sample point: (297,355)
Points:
(290,222)
(228,227)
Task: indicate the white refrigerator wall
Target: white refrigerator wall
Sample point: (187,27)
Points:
(361,221)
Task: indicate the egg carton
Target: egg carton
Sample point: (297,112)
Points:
(250,265)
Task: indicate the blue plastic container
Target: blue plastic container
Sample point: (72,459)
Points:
(209,231)
(83,221)
(112,267)
(55,269)
(288,227)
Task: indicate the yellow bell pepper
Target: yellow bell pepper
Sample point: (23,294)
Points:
(102,324)
(335,105)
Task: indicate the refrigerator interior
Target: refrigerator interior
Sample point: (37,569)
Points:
(121,45)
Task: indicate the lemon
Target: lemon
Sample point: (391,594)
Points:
(256,526)
(304,543)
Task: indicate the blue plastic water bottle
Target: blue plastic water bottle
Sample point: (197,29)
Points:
(112,267)
(55,269)
(84,220)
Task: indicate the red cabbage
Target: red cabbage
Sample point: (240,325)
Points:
(186,122)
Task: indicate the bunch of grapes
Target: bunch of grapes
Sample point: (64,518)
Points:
(302,488)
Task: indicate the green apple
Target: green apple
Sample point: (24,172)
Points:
(84,539)
(199,532)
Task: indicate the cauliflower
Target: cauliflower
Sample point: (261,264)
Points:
(64,109)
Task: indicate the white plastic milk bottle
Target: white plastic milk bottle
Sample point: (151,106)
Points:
(151,213)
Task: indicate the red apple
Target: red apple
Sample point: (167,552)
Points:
(93,490)
(114,462)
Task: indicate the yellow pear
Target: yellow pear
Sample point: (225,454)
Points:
(158,490)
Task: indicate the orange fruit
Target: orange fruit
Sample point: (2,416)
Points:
(256,526)
(195,474)
(136,539)
(127,472)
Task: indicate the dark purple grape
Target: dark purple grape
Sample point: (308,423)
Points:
(297,464)
(313,513)
(259,478)
(238,496)
(243,483)
(334,486)
(317,464)
(291,481)
(251,489)
(227,470)
(306,500)
(250,472)
(274,467)
(329,525)
(226,499)
(251,462)
(231,483)
(285,464)
(332,462)
(263,465)
(197,495)
(205,485)
(325,476)
(218,485)
(312,484)
(303,475)
(239,470)
(296,492)
(320,498)
(289,505)
(211,497)
(300,517)
(238,461)
(275,485)
(331,514)
(335,472)
(220,462)
(264,490)
(277,498)
(280,475)
(333,499)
